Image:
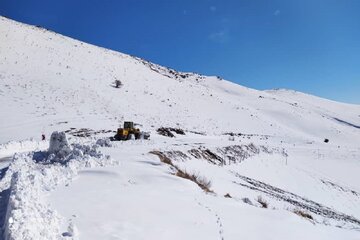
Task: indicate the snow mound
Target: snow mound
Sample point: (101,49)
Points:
(60,151)
(28,215)
(104,142)
(59,146)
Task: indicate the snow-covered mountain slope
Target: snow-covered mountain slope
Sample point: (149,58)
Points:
(248,143)
(46,76)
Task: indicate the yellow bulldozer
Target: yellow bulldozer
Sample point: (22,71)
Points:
(129,132)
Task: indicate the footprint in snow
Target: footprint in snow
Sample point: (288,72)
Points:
(218,219)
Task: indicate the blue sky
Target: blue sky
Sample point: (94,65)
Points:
(307,45)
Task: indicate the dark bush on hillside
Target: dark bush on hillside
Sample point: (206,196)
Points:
(247,201)
(165,132)
(262,202)
(227,195)
(202,182)
(162,157)
(303,214)
(168,132)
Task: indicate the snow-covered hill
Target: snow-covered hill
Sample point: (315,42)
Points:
(248,143)
(46,76)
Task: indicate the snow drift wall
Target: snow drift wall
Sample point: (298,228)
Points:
(28,215)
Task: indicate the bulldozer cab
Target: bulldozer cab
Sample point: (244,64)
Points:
(128,124)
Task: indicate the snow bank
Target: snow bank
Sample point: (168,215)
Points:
(28,216)
(61,151)
(28,213)
(11,147)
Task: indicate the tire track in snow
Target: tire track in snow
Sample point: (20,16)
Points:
(297,201)
(218,219)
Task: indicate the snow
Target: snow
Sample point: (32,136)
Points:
(28,217)
(264,143)
(59,145)
(153,204)
(25,145)
(28,182)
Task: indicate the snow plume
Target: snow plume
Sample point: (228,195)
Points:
(28,215)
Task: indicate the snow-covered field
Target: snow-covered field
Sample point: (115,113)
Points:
(257,161)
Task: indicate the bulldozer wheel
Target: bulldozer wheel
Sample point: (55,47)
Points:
(137,135)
